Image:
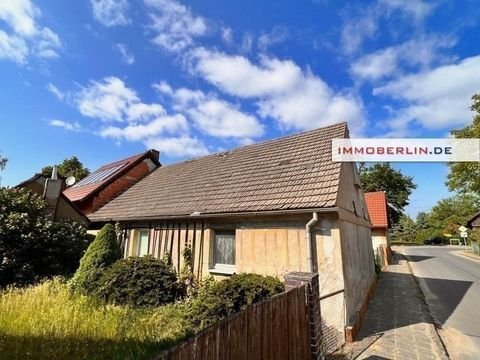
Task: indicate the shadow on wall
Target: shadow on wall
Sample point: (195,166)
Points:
(395,303)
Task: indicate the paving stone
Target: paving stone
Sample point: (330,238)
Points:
(397,325)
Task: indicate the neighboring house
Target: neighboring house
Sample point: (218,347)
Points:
(474,222)
(378,209)
(269,208)
(105,183)
(59,207)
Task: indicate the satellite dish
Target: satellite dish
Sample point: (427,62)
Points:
(70,180)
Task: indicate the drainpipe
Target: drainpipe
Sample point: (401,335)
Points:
(308,236)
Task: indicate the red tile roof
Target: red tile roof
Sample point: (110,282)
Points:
(377,208)
(104,175)
(294,172)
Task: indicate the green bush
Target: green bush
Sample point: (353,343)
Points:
(32,246)
(101,253)
(218,300)
(140,282)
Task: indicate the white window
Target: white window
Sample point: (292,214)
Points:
(224,251)
(142,249)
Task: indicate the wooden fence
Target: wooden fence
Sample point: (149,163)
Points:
(276,328)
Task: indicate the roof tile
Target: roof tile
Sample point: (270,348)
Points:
(293,172)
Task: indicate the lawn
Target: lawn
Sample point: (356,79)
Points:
(48,321)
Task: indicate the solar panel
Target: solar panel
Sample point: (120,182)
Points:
(98,176)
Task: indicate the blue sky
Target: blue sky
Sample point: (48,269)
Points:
(104,79)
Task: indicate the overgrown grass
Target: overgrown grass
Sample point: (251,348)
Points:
(48,321)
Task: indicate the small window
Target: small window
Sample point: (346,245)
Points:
(142,243)
(224,252)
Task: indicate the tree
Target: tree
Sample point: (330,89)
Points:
(101,253)
(448,214)
(31,246)
(465,176)
(3,162)
(382,177)
(405,230)
(69,167)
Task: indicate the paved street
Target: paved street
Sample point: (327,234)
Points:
(451,284)
(397,324)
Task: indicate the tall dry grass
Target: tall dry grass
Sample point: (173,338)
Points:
(48,321)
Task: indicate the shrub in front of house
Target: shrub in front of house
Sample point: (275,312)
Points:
(32,246)
(101,253)
(140,282)
(217,300)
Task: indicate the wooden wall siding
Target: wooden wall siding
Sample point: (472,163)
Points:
(276,329)
(172,238)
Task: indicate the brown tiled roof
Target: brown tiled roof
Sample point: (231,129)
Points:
(294,172)
(98,179)
(377,208)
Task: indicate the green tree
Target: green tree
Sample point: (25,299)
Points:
(3,163)
(405,230)
(69,167)
(448,214)
(101,253)
(31,246)
(382,177)
(465,176)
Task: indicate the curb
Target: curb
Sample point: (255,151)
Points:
(436,325)
(464,254)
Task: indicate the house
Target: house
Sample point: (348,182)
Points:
(474,222)
(268,208)
(378,211)
(59,207)
(105,183)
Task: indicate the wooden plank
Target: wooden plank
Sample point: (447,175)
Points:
(224,336)
(267,331)
(292,324)
(254,323)
(304,327)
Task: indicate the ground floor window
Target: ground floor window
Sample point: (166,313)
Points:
(223,254)
(142,249)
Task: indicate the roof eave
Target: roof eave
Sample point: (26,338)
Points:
(332,209)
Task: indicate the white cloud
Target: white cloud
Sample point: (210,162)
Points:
(363,22)
(174,24)
(211,115)
(227,35)
(111,100)
(278,35)
(55,91)
(421,51)
(26,36)
(171,124)
(13,48)
(182,146)
(111,12)
(295,98)
(436,99)
(126,56)
(418,9)
(75,127)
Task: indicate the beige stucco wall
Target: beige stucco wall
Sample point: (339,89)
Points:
(358,265)
(379,237)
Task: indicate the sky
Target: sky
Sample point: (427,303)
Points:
(105,79)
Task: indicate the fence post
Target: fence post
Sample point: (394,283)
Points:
(294,279)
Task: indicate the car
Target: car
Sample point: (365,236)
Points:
(437,240)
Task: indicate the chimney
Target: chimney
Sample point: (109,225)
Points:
(51,193)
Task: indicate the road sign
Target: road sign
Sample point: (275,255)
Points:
(462,229)
(463,234)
